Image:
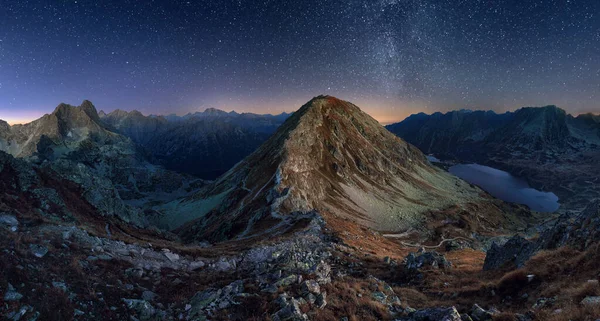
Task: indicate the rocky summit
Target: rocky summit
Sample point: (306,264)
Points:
(330,217)
(328,159)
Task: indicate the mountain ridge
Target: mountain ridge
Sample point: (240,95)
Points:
(329,156)
(551,149)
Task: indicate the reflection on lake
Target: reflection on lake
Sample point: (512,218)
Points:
(506,187)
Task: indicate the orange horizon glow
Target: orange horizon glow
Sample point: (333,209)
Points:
(385,112)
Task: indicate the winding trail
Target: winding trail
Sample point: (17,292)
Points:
(426,246)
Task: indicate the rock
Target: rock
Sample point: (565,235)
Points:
(143,309)
(9,221)
(591,301)
(105,257)
(323,272)
(213,299)
(311,286)
(480,314)
(387,260)
(202,300)
(321,301)
(544,302)
(416,261)
(287,281)
(148,296)
(12,294)
(271,288)
(173,257)
(196,265)
(516,250)
(60,285)
(436,314)
(281,300)
(16,316)
(379,297)
(291,312)
(38,250)
(465,317)
(577,233)
(223,265)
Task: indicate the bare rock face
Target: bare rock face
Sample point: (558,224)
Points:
(66,127)
(74,143)
(328,157)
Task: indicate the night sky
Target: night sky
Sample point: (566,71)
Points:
(390,57)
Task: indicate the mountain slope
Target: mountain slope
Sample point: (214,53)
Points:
(328,158)
(73,142)
(554,151)
(205,144)
(66,127)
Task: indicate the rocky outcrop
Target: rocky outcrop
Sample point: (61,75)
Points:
(425,260)
(577,232)
(116,177)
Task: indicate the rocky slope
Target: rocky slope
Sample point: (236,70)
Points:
(554,151)
(205,144)
(328,157)
(116,177)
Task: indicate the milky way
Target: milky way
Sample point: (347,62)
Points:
(392,57)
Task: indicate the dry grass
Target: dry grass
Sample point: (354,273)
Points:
(343,300)
(513,282)
(571,313)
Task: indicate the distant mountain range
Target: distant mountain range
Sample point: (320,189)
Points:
(552,149)
(205,144)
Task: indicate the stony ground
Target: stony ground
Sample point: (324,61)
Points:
(58,272)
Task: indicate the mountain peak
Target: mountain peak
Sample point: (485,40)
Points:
(66,110)
(90,110)
(330,158)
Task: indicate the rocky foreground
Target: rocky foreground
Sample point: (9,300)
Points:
(62,272)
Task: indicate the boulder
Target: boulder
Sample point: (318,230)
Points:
(516,250)
(321,300)
(143,309)
(311,286)
(435,314)
(291,312)
(416,261)
(480,314)
(323,272)
(38,250)
(591,301)
(9,221)
(12,294)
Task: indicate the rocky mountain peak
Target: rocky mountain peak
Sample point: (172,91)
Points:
(90,110)
(4,126)
(331,158)
(214,111)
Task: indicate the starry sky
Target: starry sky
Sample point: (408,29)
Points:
(390,57)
